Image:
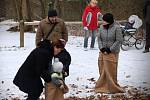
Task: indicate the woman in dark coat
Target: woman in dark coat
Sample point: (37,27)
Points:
(147,24)
(109,42)
(35,66)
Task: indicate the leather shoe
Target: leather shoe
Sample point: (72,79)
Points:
(146,50)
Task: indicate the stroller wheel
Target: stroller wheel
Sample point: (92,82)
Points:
(125,45)
(139,44)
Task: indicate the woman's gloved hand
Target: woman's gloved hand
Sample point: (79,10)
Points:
(103,50)
(108,50)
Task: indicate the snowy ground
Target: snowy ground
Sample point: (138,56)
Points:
(133,69)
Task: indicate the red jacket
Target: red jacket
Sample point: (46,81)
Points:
(94,20)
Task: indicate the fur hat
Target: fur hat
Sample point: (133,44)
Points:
(108,17)
(52,13)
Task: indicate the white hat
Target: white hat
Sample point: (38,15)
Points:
(57,65)
(137,21)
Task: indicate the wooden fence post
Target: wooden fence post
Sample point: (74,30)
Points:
(21,26)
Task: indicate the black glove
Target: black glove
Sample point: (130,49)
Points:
(64,74)
(102,50)
(108,50)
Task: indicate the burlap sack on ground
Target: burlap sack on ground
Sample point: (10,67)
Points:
(54,93)
(107,82)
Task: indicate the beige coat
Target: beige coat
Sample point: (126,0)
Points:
(44,27)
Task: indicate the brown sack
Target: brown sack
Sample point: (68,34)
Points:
(54,93)
(107,82)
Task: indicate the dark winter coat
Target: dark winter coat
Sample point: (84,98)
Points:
(146,11)
(28,77)
(147,22)
(65,58)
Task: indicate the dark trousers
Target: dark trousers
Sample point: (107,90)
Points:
(147,45)
(33,96)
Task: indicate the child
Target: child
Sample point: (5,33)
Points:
(57,75)
(53,92)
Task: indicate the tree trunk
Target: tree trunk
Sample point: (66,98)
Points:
(43,3)
(83,4)
(27,16)
(57,7)
(26,10)
(62,3)
(18,9)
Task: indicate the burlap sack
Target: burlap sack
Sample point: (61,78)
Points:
(54,93)
(107,82)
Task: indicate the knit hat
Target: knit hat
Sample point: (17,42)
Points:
(52,13)
(108,17)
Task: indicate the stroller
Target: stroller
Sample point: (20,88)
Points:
(130,31)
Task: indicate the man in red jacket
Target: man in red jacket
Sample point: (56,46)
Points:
(90,17)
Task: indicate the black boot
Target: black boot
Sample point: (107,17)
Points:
(146,50)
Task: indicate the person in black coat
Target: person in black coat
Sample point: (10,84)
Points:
(35,66)
(146,12)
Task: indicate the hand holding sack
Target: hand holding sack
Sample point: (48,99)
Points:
(108,50)
(102,50)
(105,50)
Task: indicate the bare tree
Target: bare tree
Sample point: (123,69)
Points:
(18,9)
(26,10)
(44,7)
(23,10)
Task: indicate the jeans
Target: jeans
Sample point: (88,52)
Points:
(86,37)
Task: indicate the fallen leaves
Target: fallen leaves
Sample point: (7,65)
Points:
(128,76)
(92,80)
(132,93)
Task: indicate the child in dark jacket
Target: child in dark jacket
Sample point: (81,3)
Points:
(57,75)
(54,91)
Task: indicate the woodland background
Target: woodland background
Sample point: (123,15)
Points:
(69,10)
